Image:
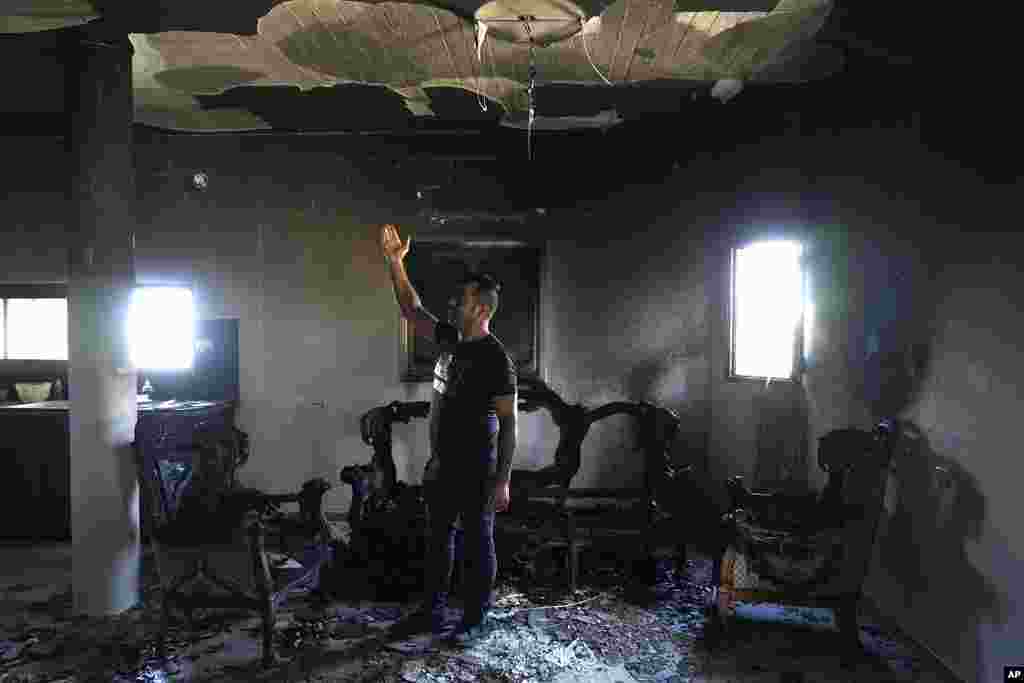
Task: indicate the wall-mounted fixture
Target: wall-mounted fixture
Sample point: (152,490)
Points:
(426,191)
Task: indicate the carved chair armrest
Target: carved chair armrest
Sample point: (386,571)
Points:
(679,472)
(403,411)
(783,510)
(240,501)
(310,500)
(738,493)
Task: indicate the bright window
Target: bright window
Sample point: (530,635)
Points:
(767,309)
(34,329)
(161,328)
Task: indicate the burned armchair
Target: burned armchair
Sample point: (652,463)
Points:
(805,549)
(216,543)
(574,526)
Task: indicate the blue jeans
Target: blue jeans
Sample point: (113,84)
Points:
(464,488)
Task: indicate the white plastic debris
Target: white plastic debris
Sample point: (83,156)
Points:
(726,88)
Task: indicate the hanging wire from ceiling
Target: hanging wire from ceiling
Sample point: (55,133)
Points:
(481,38)
(583,39)
(530,90)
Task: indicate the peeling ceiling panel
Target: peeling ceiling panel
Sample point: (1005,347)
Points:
(30,16)
(311,62)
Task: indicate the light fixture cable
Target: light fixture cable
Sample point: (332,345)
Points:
(530,91)
(481,39)
(586,50)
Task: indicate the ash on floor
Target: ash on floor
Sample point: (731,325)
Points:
(543,634)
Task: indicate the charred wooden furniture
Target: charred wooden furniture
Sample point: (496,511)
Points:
(809,550)
(558,524)
(212,538)
(373,484)
(387,517)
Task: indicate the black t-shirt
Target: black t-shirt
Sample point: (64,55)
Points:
(469,375)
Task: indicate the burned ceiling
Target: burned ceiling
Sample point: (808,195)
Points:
(350,65)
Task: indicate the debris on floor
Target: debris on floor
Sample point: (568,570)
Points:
(542,634)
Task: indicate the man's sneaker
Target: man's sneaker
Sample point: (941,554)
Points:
(469,634)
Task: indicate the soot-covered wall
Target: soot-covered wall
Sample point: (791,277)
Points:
(914,318)
(913,278)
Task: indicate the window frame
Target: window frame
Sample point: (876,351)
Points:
(27,291)
(799,334)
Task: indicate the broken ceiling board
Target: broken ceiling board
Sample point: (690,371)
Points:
(751,45)
(210,63)
(401,43)
(30,16)
(429,57)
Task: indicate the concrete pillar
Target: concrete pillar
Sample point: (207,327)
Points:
(104,488)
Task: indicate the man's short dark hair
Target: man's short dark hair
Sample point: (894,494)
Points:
(487,288)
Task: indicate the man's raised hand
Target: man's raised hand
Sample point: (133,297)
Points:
(392,245)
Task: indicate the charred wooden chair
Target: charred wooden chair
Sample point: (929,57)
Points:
(636,515)
(217,544)
(809,550)
(374,484)
(387,517)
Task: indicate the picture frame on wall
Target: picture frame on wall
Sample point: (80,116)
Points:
(435,268)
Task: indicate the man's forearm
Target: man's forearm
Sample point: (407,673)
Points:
(506,449)
(408,299)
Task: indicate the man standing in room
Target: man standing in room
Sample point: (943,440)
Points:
(473,435)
